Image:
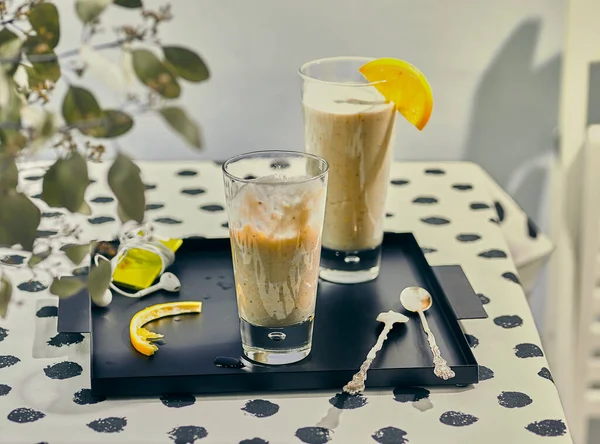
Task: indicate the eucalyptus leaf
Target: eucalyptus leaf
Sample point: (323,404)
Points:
(99,279)
(155,74)
(44,21)
(65,182)
(85,209)
(187,64)
(129,3)
(116,123)
(67,286)
(10,48)
(5,294)
(19,220)
(9,174)
(180,122)
(38,258)
(81,109)
(88,10)
(76,253)
(126,184)
(46,69)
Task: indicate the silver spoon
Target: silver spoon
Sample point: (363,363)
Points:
(390,318)
(418,300)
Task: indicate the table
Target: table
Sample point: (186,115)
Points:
(454,210)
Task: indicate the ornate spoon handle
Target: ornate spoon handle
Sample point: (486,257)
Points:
(441,367)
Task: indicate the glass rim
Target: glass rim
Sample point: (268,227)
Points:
(304,76)
(282,153)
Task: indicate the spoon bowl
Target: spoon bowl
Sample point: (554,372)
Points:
(415,299)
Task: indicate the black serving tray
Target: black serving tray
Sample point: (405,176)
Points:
(345,329)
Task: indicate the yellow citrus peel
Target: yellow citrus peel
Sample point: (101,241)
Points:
(141,338)
(404,85)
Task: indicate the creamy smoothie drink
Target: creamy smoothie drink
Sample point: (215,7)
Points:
(275,225)
(351,125)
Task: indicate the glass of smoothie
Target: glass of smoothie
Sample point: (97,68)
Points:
(276,206)
(350,124)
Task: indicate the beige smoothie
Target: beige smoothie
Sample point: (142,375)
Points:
(276,248)
(352,128)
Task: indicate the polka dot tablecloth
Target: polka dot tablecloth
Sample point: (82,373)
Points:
(457,214)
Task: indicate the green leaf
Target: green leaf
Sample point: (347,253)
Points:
(65,183)
(129,3)
(43,60)
(43,130)
(9,174)
(85,209)
(116,123)
(125,182)
(67,286)
(10,48)
(5,294)
(39,257)
(180,122)
(19,220)
(76,253)
(155,74)
(99,279)
(187,64)
(44,20)
(89,10)
(80,109)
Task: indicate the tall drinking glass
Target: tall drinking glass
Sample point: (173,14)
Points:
(349,123)
(276,206)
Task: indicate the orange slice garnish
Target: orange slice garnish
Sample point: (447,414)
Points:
(141,338)
(404,85)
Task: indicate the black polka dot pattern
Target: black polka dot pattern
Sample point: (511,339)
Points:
(193,191)
(426,250)
(154,206)
(187,173)
(462,186)
(472,340)
(52,214)
(280,164)
(457,419)
(250,177)
(85,397)
(187,434)
(399,182)
(532,229)
(225,225)
(510,276)
(149,186)
(65,339)
(24,415)
(493,254)
(468,237)
(108,425)
(313,435)
(8,361)
(508,321)
(5,389)
(485,373)
(478,206)
(344,401)
(435,172)
(410,394)
(212,208)
(514,400)
(548,427)
(528,351)
(254,441)
(260,408)
(48,311)
(3,333)
(102,199)
(178,400)
(101,220)
(545,373)
(32,286)
(483,298)
(435,220)
(63,370)
(46,233)
(390,435)
(499,210)
(168,221)
(428,200)
(388,215)
(13,259)
(33,178)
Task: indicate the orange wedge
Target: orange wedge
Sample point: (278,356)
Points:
(141,338)
(402,83)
